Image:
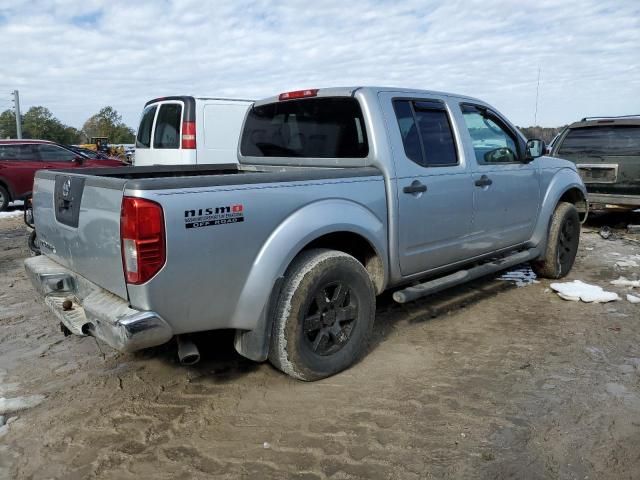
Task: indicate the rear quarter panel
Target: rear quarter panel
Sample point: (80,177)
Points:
(221,276)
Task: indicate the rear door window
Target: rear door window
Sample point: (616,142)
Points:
(167,132)
(610,140)
(426,132)
(329,127)
(143,139)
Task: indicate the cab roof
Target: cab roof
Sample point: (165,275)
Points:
(350,91)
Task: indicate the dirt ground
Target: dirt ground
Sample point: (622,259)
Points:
(484,381)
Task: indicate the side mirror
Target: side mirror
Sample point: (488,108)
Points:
(79,160)
(535,148)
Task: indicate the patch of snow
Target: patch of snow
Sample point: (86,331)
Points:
(15,213)
(623,282)
(522,275)
(578,290)
(16,203)
(19,403)
(633,298)
(627,263)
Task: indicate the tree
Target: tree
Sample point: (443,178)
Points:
(8,124)
(38,123)
(108,123)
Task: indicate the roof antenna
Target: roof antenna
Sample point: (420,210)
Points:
(535,115)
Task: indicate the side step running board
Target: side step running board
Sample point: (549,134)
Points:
(432,286)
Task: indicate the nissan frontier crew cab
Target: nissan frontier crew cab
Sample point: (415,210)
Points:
(339,195)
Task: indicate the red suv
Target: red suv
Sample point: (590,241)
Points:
(19,160)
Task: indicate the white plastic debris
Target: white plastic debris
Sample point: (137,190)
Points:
(633,298)
(578,290)
(266,445)
(19,403)
(623,282)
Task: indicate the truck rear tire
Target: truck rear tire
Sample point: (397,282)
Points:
(4,198)
(562,243)
(324,315)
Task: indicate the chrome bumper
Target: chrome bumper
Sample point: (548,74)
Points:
(93,310)
(614,199)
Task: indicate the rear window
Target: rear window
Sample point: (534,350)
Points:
(167,134)
(143,139)
(312,128)
(610,140)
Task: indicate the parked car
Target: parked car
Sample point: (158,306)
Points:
(92,154)
(20,159)
(606,151)
(340,194)
(189,130)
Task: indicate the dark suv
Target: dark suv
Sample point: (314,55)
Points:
(606,151)
(20,159)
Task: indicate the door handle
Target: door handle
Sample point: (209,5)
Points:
(415,187)
(484,181)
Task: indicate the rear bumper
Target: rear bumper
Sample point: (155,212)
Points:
(94,311)
(614,199)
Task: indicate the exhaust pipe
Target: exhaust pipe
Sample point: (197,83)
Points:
(187,351)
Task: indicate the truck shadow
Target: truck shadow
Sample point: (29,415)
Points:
(220,363)
(219,360)
(391,315)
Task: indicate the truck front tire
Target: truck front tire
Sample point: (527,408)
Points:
(324,315)
(562,243)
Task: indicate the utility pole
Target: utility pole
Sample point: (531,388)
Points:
(16,101)
(535,115)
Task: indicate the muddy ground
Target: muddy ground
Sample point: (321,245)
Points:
(485,381)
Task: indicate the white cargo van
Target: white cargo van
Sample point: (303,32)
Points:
(189,130)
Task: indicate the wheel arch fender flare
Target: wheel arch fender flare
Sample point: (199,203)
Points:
(566,183)
(288,239)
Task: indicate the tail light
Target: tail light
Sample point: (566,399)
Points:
(310,92)
(189,135)
(143,239)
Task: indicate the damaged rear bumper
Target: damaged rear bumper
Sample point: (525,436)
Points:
(91,310)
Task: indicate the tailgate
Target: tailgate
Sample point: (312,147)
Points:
(77,218)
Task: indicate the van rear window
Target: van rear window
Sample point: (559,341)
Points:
(623,140)
(327,127)
(143,139)
(168,126)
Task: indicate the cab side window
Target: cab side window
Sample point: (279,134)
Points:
(493,142)
(426,132)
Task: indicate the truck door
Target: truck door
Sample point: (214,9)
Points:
(506,189)
(435,194)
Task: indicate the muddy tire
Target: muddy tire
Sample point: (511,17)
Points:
(4,198)
(562,243)
(324,315)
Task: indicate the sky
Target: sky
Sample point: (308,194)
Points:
(75,57)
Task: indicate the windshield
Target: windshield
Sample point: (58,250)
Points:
(611,140)
(311,128)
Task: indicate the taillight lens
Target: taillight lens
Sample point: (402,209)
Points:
(143,239)
(310,92)
(189,135)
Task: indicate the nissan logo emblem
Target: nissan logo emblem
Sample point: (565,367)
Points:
(66,188)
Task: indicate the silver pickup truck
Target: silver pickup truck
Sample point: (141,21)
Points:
(339,195)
